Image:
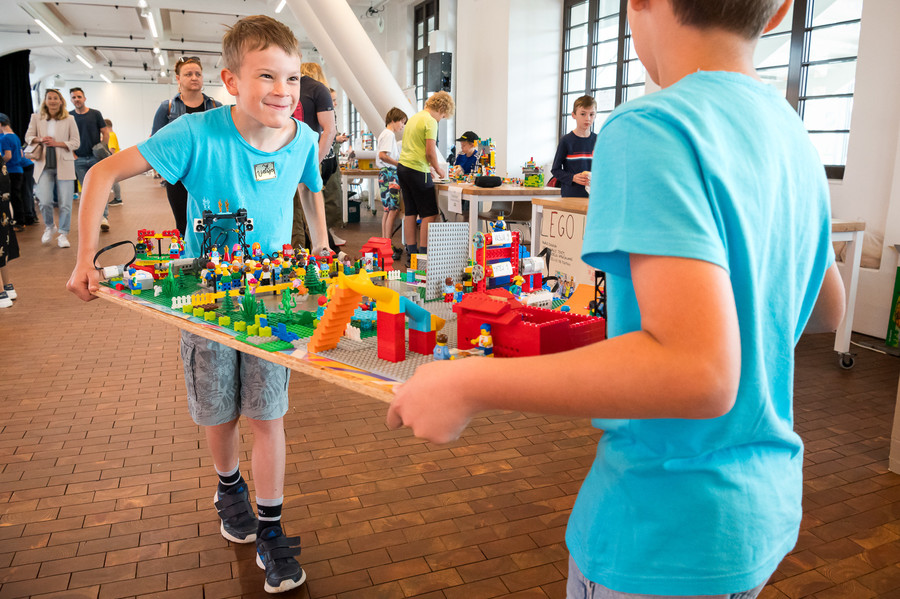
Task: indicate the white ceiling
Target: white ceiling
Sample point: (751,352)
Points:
(116,40)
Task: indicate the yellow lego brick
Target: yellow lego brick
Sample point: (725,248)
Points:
(252,330)
(198,312)
(209,316)
(265,331)
(224,321)
(240,326)
(187,309)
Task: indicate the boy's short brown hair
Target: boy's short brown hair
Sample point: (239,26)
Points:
(256,32)
(586,102)
(441,102)
(745,17)
(394,115)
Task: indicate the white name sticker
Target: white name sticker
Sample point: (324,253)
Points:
(264,171)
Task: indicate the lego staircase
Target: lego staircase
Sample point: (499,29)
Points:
(334,320)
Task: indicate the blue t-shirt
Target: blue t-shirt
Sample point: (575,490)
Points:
(467,162)
(10,141)
(207,154)
(719,168)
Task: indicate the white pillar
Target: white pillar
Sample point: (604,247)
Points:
(357,50)
(336,63)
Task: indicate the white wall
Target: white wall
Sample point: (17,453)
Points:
(482,60)
(131,106)
(508,82)
(870,190)
(533,82)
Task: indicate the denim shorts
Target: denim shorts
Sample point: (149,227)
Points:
(223,383)
(579,587)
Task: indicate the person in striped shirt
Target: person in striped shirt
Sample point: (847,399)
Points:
(572,164)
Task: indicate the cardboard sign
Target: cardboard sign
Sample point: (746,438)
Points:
(563,233)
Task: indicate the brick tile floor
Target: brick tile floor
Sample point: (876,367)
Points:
(106,487)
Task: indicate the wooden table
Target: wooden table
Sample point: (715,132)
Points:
(320,367)
(841,230)
(505,193)
(357,173)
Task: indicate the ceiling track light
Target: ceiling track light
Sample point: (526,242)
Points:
(280,6)
(48,30)
(83,61)
(105,78)
(152,23)
(162,62)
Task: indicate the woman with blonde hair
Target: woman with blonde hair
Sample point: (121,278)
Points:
(52,139)
(314,70)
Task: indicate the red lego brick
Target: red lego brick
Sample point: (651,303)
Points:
(422,342)
(392,337)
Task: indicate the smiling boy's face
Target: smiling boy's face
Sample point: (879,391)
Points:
(266,87)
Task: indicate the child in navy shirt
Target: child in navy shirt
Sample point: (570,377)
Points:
(572,165)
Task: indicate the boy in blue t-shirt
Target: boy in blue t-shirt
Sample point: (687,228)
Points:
(252,155)
(713,186)
(572,163)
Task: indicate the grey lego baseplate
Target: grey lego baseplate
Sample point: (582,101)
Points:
(448,256)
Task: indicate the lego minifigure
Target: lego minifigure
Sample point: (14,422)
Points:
(448,289)
(484,341)
(441,351)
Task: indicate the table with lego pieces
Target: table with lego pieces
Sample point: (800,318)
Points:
(351,174)
(476,196)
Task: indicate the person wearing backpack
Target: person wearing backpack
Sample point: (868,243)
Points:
(190,99)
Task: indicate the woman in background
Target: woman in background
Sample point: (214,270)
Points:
(55,132)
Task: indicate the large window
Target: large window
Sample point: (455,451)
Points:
(598,58)
(811,58)
(424,23)
(355,126)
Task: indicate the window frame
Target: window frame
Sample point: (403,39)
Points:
(421,12)
(800,32)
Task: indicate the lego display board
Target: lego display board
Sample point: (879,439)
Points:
(563,233)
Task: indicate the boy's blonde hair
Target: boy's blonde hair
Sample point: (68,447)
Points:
(314,70)
(441,102)
(747,18)
(62,115)
(586,102)
(256,32)
(393,115)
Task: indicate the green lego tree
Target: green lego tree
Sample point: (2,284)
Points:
(312,281)
(169,284)
(228,303)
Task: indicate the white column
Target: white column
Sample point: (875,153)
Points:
(354,46)
(336,63)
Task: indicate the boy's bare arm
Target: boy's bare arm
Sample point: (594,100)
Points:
(97,183)
(314,208)
(829,309)
(329,129)
(432,156)
(684,363)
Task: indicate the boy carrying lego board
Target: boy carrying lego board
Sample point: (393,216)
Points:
(252,155)
(709,212)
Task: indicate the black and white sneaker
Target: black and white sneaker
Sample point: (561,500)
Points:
(275,553)
(239,524)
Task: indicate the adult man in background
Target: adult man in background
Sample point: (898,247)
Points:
(93,130)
